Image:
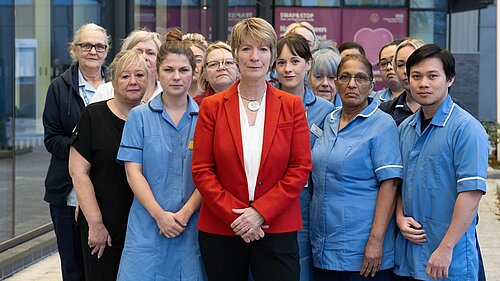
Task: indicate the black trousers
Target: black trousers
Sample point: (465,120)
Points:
(68,242)
(105,268)
(334,275)
(403,278)
(272,258)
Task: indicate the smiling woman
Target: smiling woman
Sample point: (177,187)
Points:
(292,64)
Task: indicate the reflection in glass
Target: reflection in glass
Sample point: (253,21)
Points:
(385,3)
(429,26)
(427,4)
(32,76)
(308,3)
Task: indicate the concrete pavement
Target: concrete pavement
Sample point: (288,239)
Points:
(488,229)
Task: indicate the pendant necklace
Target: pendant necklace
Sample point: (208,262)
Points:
(253,104)
(121,112)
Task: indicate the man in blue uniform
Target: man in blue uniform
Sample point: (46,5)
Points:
(445,157)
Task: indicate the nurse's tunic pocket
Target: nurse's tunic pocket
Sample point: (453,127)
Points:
(430,172)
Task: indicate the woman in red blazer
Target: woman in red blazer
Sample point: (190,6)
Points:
(251,159)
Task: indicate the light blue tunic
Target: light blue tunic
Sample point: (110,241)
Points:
(152,139)
(449,157)
(382,95)
(316,109)
(348,167)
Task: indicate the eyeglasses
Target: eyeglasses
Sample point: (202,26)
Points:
(383,64)
(213,65)
(359,79)
(100,48)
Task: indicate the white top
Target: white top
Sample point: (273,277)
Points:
(106,92)
(251,138)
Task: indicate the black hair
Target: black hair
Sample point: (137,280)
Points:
(433,51)
(393,43)
(362,59)
(297,44)
(352,45)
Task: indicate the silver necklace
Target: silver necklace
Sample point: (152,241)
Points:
(253,104)
(119,110)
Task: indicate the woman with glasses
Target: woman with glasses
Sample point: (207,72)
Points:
(388,74)
(404,105)
(100,182)
(66,97)
(148,43)
(218,71)
(355,182)
(293,62)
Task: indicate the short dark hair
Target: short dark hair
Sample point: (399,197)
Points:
(351,45)
(297,44)
(393,43)
(428,51)
(362,59)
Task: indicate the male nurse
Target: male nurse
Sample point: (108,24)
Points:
(445,157)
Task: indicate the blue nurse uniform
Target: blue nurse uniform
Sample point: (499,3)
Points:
(449,157)
(348,167)
(316,109)
(151,138)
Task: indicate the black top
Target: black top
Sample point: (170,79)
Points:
(397,108)
(97,138)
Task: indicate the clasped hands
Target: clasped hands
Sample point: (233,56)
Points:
(439,261)
(249,224)
(172,224)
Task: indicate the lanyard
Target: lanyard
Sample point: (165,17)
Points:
(85,95)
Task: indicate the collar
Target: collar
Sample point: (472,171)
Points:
(82,83)
(156,105)
(367,112)
(400,101)
(385,95)
(309,97)
(441,116)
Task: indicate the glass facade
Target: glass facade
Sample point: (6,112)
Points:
(34,49)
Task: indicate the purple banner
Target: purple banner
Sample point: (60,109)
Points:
(374,28)
(326,21)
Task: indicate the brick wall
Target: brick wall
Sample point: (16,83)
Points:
(466,86)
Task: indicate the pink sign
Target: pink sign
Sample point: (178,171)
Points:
(373,28)
(235,14)
(326,21)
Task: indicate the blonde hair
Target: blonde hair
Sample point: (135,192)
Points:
(304,24)
(219,45)
(195,37)
(124,59)
(140,35)
(256,29)
(413,42)
(91,27)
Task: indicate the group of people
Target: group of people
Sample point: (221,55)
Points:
(265,159)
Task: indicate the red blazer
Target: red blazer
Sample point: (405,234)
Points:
(219,172)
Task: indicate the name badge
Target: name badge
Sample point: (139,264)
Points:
(316,130)
(190,146)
